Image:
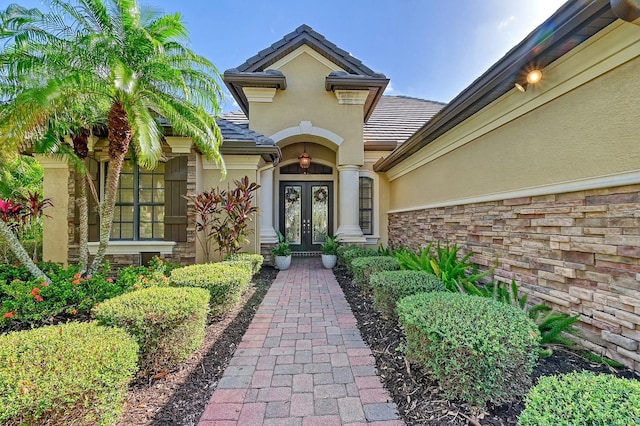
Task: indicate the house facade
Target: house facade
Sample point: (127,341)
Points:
(539,178)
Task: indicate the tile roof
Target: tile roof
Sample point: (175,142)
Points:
(393,121)
(304,34)
(239,132)
(398,117)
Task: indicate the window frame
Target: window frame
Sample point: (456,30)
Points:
(370,180)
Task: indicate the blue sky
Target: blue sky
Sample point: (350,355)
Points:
(430,49)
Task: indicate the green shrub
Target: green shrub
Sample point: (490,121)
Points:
(255,259)
(582,399)
(138,277)
(71,374)
(391,286)
(478,349)
(355,252)
(363,267)
(168,323)
(226,282)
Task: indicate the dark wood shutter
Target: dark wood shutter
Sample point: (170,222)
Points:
(175,206)
(94,215)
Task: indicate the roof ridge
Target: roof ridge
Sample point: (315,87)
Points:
(414,98)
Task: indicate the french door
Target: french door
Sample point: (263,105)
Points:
(306,213)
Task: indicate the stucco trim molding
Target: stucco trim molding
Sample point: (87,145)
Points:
(134,247)
(179,145)
(51,162)
(260,94)
(605,181)
(351,97)
(307,128)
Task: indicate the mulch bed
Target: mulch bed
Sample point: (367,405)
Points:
(179,397)
(418,398)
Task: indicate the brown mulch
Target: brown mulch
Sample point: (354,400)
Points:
(418,398)
(179,397)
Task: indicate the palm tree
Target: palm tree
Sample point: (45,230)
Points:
(116,52)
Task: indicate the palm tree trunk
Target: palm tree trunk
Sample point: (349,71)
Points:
(84,224)
(119,140)
(21,254)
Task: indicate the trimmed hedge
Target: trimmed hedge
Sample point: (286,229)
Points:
(353,252)
(391,286)
(582,399)
(363,267)
(226,282)
(70,374)
(478,349)
(256,260)
(168,323)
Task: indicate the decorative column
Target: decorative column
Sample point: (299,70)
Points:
(55,239)
(348,210)
(267,232)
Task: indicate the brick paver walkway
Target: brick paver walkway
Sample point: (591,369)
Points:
(302,361)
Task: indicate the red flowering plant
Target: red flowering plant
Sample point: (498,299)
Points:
(223,217)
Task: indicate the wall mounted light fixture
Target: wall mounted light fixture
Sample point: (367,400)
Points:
(533,77)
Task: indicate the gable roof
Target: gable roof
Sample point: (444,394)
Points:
(575,22)
(353,74)
(237,138)
(392,122)
(304,35)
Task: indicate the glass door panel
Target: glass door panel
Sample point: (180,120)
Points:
(306,214)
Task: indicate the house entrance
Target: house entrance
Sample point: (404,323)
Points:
(306,214)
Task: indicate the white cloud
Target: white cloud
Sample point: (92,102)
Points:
(505,23)
(389,89)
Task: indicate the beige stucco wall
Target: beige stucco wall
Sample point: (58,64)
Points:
(563,131)
(209,176)
(55,187)
(306,99)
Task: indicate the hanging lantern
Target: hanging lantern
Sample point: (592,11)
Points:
(304,159)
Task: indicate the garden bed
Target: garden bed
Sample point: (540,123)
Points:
(418,398)
(179,397)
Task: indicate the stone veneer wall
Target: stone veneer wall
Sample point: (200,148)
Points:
(183,252)
(577,252)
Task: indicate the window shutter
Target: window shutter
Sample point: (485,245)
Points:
(175,206)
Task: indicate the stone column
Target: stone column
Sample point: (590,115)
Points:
(267,232)
(55,241)
(348,210)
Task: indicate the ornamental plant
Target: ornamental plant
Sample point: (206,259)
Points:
(347,255)
(479,350)
(582,398)
(363,267)
(282,248)
(168,323)
(330,246)
(223,217)
(70,374)
(391,286)
(225,281)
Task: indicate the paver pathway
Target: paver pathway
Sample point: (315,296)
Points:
(302,361)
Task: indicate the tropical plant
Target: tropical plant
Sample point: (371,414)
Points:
(445,262)
(112,52)
(330,246)
(282,248)
(223,216)
(551,324)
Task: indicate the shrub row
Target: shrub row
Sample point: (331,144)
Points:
(168,323)
(478,349)
(363,267)
(72,374)
(225,281)
(256,260)
(347,253)
(391,286)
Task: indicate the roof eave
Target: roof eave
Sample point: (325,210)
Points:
(270,153)
(236,81)
(509,69)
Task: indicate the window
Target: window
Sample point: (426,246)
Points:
(139,210)
(366,205)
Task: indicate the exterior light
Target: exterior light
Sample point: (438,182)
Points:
(521,88)
(534,76)
(304,159)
